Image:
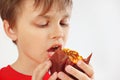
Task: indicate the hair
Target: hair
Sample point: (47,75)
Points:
(9,9)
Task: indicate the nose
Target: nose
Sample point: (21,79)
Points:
(57,32)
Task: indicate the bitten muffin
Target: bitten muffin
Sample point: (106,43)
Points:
(64,57)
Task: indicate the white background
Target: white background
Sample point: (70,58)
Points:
(95,27)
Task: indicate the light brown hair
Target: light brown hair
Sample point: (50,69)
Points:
(9,9)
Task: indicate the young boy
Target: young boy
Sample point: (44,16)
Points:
(36,26)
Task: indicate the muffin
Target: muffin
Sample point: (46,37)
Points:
(64,57)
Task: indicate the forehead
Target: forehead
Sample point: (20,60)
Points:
(44,6)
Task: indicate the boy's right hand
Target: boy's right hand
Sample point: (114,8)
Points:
(41,70)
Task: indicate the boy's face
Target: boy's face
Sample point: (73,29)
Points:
(37,35)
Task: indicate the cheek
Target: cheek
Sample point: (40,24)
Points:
(31,40)
(33,45)
(66,32)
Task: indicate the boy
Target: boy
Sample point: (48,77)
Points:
(37,27)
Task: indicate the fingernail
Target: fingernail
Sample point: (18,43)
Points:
(48,62)
(79,62)
(55,73)
(68,68)
(60,74)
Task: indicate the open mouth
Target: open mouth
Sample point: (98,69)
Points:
(54,48)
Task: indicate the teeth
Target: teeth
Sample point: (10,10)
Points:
(55,47)
(52,49)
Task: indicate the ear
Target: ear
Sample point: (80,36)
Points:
(11,32)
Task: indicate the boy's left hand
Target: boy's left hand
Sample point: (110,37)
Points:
(88,75)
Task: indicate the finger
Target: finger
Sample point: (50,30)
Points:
(86,68)
(63,76)
(44,69)
(53,77)
(76,73)
(41,70)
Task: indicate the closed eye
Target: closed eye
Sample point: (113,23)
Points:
(64,24)
(43,25)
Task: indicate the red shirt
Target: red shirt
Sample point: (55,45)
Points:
(8,73)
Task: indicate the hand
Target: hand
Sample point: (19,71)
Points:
(88,75)
(41,70)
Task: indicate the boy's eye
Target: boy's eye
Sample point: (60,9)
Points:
(43,24)
(64,23)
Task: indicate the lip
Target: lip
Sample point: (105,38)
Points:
(50,51)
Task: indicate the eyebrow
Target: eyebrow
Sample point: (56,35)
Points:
(49,16)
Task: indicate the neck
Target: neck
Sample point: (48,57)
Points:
(24,65)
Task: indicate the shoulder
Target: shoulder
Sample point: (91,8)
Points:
(4,70)
(8,73)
